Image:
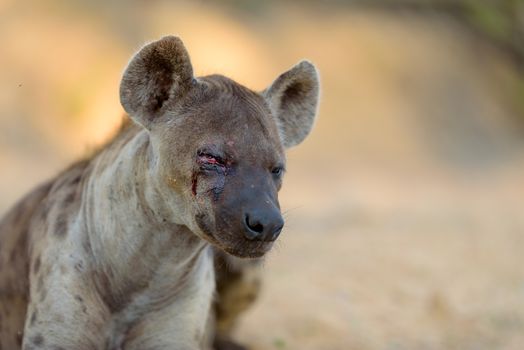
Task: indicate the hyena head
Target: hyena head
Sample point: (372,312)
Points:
(217,147)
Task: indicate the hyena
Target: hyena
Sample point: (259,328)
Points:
(143,245)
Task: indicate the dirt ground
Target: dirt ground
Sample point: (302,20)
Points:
(404,209)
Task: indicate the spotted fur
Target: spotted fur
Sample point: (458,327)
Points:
(119,250)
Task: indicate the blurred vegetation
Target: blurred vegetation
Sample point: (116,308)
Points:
(500,22)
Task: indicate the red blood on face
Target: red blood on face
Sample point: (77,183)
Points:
(194,185)
(210,160)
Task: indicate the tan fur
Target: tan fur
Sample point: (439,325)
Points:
(238,286)
(115,252)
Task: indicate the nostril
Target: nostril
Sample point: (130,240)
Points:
(257,228)
(254,228)
(276,231)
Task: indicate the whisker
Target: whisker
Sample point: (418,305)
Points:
(285,212)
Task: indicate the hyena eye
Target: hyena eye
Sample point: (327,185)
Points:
(277,171)
(209,160)
(208,157)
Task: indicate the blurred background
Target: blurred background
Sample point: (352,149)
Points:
(405,218)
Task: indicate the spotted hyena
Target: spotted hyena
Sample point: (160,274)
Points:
(125,249)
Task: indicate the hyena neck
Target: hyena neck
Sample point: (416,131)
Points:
(134,243)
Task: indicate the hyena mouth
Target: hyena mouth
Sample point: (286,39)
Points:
(249,249)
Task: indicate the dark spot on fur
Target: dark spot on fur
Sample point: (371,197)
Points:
(38,339)
(36,265)
(79,266)
(76,179)
(79,298)
(33,318)
(58,348)
(60,228)
(70,198)
(19,250)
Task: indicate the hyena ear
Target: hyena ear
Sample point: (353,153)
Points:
(159,74)
(293,99)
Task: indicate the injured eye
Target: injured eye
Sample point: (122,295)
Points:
(209,161)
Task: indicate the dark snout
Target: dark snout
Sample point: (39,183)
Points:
(248,218)
(263,224)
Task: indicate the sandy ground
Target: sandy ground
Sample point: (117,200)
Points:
(405,227)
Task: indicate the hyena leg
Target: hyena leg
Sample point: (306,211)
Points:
(238,285)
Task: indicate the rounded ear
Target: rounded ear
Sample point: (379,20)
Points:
(157,75)
(293,99)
